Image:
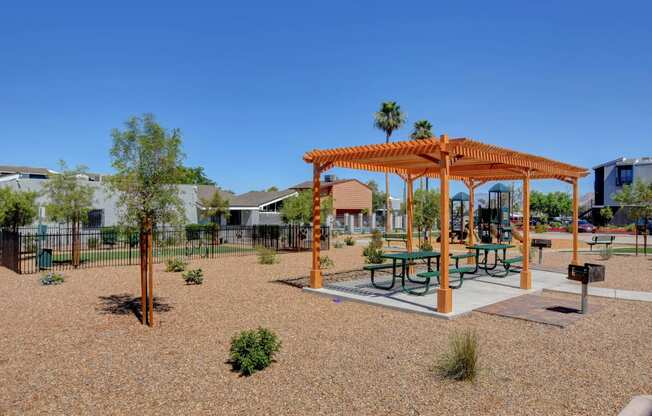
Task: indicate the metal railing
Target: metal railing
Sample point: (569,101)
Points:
(31,250)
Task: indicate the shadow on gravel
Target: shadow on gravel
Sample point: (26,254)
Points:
(125,304)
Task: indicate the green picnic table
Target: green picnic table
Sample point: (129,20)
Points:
(405,259)
(495,248)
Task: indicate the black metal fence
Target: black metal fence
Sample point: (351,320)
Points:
(31,250)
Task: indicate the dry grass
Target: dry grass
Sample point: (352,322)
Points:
(78,348)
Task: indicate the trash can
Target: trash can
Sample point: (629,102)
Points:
(45,258)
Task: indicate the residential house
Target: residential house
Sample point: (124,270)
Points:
(251,208)
(610,178)
(351,199)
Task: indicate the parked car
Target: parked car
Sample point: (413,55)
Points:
(583,226)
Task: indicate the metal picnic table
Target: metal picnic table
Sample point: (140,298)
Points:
(486,248)
(405,258)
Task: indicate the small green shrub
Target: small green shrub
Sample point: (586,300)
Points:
(52,278)
(253,350)
(541,228)
(349,241)
(193,277)
(92,243)
(461,361)
(376,239)
(425,245)
(339,244)
(109,235)
(630,227)
(175,265)
(325,262)
(373,255)
(266,255)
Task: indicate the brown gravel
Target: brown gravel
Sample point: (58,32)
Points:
(77,349)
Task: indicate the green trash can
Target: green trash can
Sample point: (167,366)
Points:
(45,258)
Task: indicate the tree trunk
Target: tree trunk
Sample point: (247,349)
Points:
(75,244)
(143,275)
(150,274)
(388,203)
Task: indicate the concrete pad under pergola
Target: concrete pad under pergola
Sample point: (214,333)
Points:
(463,159)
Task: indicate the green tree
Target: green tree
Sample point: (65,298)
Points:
(215,206)
(272,189)
(637,200)
(426,209)
(147,158)
(422,130)
(377,196)
(17,208)
(70,198)
(298,210)
(193,176)
(388,119)
(606,214)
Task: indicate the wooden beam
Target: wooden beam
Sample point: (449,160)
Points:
(444,293)
(315,273)
(526,274)
(429,158)
(409,210)
(576,209)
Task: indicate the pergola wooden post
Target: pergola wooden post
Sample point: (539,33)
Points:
(526,274)
(576,204)
(444,292)
(315,272)
(457,159)
(409,210)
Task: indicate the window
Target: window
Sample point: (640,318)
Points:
(624,175)
(95,218)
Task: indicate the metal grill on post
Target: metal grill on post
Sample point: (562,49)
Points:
(586,274)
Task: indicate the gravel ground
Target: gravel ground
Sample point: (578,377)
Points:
(78,349)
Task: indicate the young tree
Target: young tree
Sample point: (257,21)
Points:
(377,196)
(389,118)
(298,210)
(425,210)
(147,158)
(17,208)
(272,189)
(70,198)
(215,206)
(637,198)
(606,214)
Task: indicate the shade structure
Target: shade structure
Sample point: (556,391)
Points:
(460,196)
(463,159)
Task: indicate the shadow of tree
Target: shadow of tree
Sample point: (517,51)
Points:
(125,303)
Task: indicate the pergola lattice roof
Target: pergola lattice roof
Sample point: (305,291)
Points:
(470,159)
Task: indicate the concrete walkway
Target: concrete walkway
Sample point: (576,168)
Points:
(476,292)
(603,292)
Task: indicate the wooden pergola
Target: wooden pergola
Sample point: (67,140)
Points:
(463,159)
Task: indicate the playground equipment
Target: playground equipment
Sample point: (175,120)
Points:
(458,230)
(494,220)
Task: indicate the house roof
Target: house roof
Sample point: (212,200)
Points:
(324,184)
(256,199)
(626,161)
(207,192)
(9,169)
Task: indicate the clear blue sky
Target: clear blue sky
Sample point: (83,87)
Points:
(254,85)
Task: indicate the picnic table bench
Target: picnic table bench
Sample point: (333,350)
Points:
(461,271)
(395,237)
(605,240)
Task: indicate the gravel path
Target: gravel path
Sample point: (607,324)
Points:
(79,349)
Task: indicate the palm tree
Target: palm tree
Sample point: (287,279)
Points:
(389,118)
(422,131)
